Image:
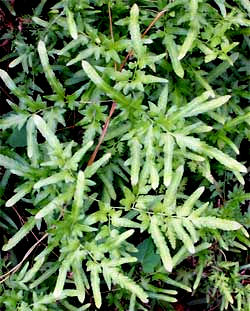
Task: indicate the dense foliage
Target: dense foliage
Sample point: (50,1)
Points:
(122,154)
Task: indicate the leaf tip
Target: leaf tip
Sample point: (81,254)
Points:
(5,248)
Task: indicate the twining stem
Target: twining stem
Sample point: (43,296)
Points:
(130,53)
(5,276)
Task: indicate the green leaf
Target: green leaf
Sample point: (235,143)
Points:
(32,144)
(124,222)
(130,285)
(26,228)
(225,159)
(50,137)
(71,24)
(55,203)
(14,120)
(215,223)
(74,161)
(78,202)
(168,158)
(82,39)
(170,195)
(160,243)
(198,108)
(186,209)
(95,284)
(32,272)
(135,147)
(62,176)
(101,84)
(163,99)
(50,271)
(135,33)
(78,279)
(162,297)
(92,169)
(61,279)
(183,236)
(146,256)
(13,165)
(54,83)
(21,192)
(18,138)
(193,31)
(172,50)
(9,82)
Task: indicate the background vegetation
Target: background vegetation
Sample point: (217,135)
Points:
(124,155)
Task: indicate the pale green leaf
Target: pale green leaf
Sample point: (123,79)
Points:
(172,50)
(183,236)
(191,229)
(225,159)
(168,158)
(14,120)
(32,144)
(22,191)
(124,222)
(162,297)
(50,271)
(163,99)
(194,110)
(191,36)
(78,279)
(186,209)
(95,285)
(61,279)
(100,83)
(92,169)
(62,176)
(125,282)
(55,203)
(135,33)
(160,243)
(215,223)
(25,229)
(132,302)
(78,196)
(32,272)
(9,82)
(12,165)
(170,195)
(71,24)
(74,161)
(54,83)
(135,160)
(50,137)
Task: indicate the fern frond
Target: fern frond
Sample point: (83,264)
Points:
(134,30)
(54,83)
(135,147)
(50,137)
(168,158)
(26,228)
(95,283)
(215,223)
(170,195)
(32,144)
(119,278)
(78,279)
(160,243)
(189,203)
(182,235)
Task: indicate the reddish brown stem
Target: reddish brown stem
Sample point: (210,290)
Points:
(113,107)
(104,130)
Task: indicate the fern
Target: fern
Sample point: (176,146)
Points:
(118,168)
